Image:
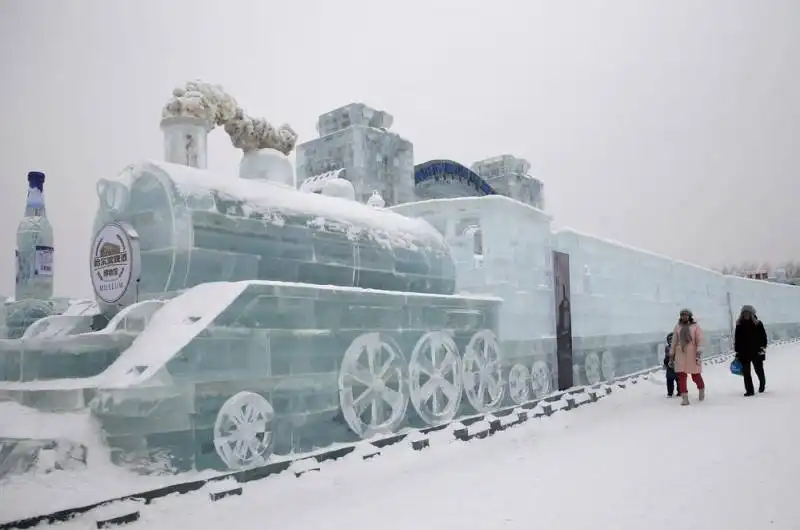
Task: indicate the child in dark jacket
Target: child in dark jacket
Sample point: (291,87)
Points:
(669,365)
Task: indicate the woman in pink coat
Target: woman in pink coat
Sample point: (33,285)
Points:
(686,352)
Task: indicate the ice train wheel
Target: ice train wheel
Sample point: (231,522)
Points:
(482,371)
(372,385)
(591,367)
(518,389)
(435,361)
(608,365)
(243,431)
(541,381)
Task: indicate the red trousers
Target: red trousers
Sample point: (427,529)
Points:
(697,378)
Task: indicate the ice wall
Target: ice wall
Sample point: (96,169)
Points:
(619,290)
(501,247)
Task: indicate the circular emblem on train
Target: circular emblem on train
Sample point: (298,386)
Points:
(114,262)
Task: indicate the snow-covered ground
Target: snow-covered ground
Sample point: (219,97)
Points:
(634,460)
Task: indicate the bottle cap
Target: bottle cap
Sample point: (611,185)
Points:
(36,180)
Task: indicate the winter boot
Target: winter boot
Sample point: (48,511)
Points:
(701,394)
(685,399)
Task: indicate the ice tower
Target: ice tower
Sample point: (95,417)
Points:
(34,245)
(356,138)
(509,176)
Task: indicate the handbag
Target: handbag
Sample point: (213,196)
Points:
(736,367)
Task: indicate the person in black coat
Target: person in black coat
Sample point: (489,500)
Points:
(750,344)
(669,366)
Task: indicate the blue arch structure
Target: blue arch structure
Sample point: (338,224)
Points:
(440,169)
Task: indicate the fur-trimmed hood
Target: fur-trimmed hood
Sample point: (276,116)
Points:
(748,309)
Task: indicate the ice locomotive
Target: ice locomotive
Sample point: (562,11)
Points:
(291,321)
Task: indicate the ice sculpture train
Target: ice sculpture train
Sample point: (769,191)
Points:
(334,336)
(238,318)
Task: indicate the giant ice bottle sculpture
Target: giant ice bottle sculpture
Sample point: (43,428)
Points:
(34,245)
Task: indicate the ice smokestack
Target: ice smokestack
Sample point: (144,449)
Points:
(186,141)
(188,116)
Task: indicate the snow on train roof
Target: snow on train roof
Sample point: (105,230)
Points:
(267,197)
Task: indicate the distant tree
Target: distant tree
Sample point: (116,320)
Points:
(791,267)
(748,266)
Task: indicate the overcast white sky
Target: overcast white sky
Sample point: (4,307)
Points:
(671,125)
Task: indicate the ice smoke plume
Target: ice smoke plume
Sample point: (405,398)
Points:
(198,99)
(249,134)
(202,100)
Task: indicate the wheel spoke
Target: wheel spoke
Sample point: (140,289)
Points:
(362,402)
(360,375)
(375,405)
(254,446)
(238,449)
(449,362)
(373,350)
(425,365)
(393,398)
(385,367)
(226,439)
(449,390)
(492,366)
(493,388)
(427,390)
(235,418)
(259,425)
(433,346)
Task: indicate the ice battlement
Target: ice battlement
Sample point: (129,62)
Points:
(353,114)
